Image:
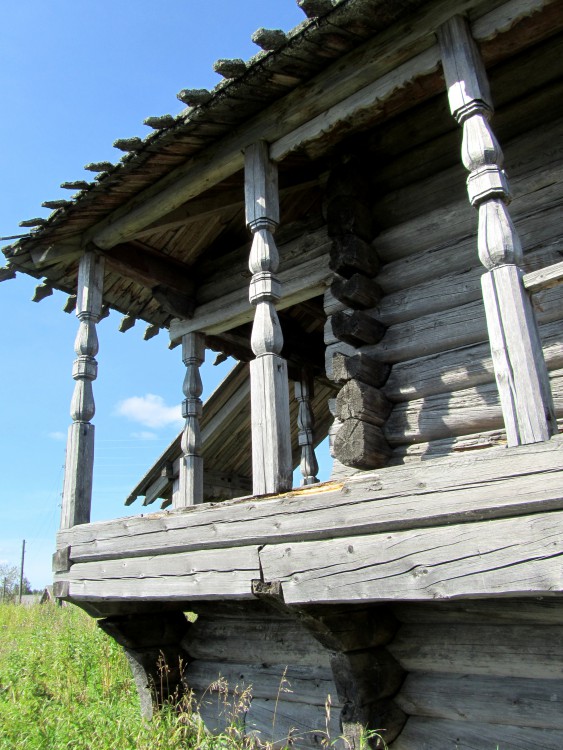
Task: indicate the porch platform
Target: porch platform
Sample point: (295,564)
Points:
(479,524)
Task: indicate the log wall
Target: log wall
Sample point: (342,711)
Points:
(441,393)
(481,675)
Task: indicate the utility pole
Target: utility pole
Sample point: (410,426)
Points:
(21,570)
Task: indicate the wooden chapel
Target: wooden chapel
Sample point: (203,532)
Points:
(336,216)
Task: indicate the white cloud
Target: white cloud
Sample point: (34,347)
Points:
(149,410)
(56,435)
(144,435)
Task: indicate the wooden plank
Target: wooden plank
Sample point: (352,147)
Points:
(518,702)
(436,492)
(509,557)
(544,278)
(285,723)
(433,734)
(507,651)
(184,576)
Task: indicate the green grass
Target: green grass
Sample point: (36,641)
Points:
(65,684)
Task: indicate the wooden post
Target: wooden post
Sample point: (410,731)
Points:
(79,464)
(271,441)
(191,466)
(305,424)
(520,369)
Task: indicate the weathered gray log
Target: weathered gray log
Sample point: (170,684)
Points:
(359,367)
(357,292)
(460,413)
(7,273)
(350,254)
(361,444)
(230,68)
(505,651)
(76,185)
(42,291)
(127,322)
(150,332)
(349,215)
(357,327)
(516,702)
(545,611)
(499,482)
(54,205)
(435,734)
(362,401)
(507,557)
(458,369)
(99,166)
(314,8)
(37,222)
(160,122)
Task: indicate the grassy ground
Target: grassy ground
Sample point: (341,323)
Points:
(65,684)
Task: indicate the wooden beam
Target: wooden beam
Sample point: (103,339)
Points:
(544,278)
(393,48)
(190,490)
(60,252)
(149,268)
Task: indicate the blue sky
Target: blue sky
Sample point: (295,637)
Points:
(74,76)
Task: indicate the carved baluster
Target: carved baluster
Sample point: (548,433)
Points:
(191,466)
(305,424)
(518,361)
(79,464)
(271,442)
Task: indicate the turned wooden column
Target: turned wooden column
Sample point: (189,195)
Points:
(520,369)
(305,425)
(79,463)
(191,465)
(271,437)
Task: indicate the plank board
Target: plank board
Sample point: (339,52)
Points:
(509,557)
(196,575)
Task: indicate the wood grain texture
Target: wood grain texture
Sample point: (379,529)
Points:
(518,702)
(518,557)
(431,734)
(436,492)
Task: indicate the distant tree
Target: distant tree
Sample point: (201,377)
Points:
(10,582)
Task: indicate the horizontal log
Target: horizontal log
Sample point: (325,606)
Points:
(545,611)
(451,329)
(358,367)
(307,685)
(460,413)
(511,651)
(359,400)
(331,350)
(518,702)
(358,292)
(287,724)
(435,734)
(507,557)
(361,444)
(266,641)
(351,254)
(183,576)
(461,368)
(496,483)
(356,327)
